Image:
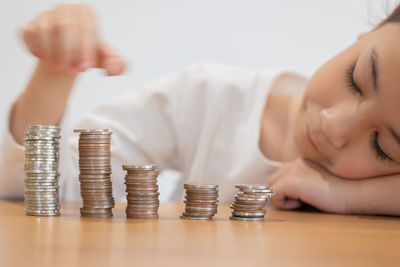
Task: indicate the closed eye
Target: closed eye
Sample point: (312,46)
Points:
(350,80)
(380,154)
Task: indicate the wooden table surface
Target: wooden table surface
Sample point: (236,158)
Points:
(285,238)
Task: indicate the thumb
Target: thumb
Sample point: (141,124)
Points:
(283,200)
(287,203)
(110,60)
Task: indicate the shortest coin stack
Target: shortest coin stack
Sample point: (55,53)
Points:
(250,202)
(201,201)
(41,170)
(142,191)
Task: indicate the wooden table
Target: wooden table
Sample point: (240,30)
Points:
(286,238)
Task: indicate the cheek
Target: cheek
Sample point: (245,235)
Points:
(298,133)
(328,85)
(308,115)
(320,95)
(358,165)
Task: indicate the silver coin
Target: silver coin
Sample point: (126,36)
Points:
(93,210)
(250,207)
(40,178)
(92,142)
(41,161)
(42,143)
(150,167)
(29,137)
(39,211)
(252,186)
(41,202)
(94,138)
(188,217)
(40,196)
(200,186)
(40,185)
(42,208)
(92,159)
(43,127)
(84,131)
(248,214)
(253,202)
(98,200)
(246,218)
(88,206)
(95,177)
(141,212)
(155,216)
(42,215)
(255,199)
(55,181)
(145,204)
(85,139)
(266,192)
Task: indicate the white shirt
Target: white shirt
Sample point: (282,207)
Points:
(203,121)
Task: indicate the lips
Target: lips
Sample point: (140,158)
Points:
(310,139)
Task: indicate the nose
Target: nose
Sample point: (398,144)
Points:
(339,123)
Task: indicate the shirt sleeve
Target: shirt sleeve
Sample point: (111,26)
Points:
(11,166)
(144,123)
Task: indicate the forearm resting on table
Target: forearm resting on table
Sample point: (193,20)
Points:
(380,195)
(42,102)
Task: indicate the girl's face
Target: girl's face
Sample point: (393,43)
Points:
(349,121)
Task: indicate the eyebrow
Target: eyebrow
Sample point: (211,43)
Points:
(374,68)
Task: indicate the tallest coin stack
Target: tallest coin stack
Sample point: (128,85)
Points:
(42,144)
(95,173)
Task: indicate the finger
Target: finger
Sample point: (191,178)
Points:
(110,60)
(32,40)
(282,201)
(275,176)
(88,40)
(290,204)
(57,41)
(45,35)
(64,41)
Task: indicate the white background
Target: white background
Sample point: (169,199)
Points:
(157,37)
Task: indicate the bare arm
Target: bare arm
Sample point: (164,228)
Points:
(378,195)
(301,181)
(42,102)
(65,42)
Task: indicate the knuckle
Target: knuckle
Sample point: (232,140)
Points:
(62,5)
(44,29)
(84,27)
(83,5)
(63,26)
(29,31)
(60,26)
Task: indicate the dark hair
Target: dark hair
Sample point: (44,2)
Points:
(393,17)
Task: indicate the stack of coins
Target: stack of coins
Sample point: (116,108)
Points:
(142,191)
(95,172)
(201,201)
(250,202)
(42,145)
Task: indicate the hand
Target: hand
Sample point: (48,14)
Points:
(302,181)
(66,39)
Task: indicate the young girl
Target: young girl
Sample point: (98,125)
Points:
(336,147)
